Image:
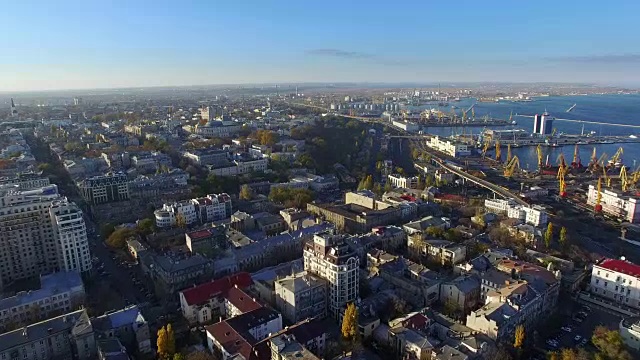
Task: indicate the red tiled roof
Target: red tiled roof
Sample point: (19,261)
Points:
(622,266)
(200,234)
(417,322)
(203,292)
(241,300)
(231,340)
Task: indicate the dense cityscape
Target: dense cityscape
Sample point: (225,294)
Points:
(312,221)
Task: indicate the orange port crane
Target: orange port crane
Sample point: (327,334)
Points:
(624,180)
(509,157)
(598,207)
(485,148)
(498,153)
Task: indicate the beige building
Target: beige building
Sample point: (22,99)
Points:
(331,258)
(301,296)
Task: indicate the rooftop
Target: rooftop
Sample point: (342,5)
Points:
(241,300)
(119,318)
(76,322)
(202,293)
(50,285)
(622,266)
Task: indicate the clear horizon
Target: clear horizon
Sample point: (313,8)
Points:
(81,46)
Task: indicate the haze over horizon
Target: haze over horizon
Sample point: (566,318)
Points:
(80,45)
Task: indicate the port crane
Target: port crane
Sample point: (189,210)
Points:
(562,186)
(485,148)
(576,163)
(498,153)
(635,176)
(598,207)
(509,157)
(511,167)
(562,164)
(594,159)
(624,180)
(607,179)
(615,159)
(539,152)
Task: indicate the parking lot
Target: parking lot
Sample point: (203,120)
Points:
(578,323)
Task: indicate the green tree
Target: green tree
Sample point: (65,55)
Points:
(178,356)
(609,344)
(146,226)
(377,189)
(171,340)
(518,340)
(181,222)
(387,186)
(118,239)
(162,342)
(563,237)
(548,235)
(245,192)
(429,181)
(435,232)
(350,322)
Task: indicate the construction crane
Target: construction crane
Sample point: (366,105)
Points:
(562,186)
(508,154)
(601,159)
(598,207)
(539,152)
(635,176)
(498,153)
(511,167)
(624,180)
(576,163)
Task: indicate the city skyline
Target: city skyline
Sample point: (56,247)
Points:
(85,46)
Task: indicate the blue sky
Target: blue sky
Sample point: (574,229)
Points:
(88,44)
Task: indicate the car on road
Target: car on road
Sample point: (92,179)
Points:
(577,338)
(566,328)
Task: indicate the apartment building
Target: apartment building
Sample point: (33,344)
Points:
(59,292)
(68,336)
(617,280)
(208,157)
(450,147)
(105,188)
(40,232)
(127,325)
(26,180)
(330,257)
(532,215)
(616,203)
(199,210)
(300,296)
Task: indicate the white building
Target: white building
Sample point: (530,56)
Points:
(617,280)
(616,204)
(630,332)
(533,215)
(406,126)
(449,147)
(331,258)
(70,233)
(403,181)
(246,166)
(301,296)
(206,209)
(42,232)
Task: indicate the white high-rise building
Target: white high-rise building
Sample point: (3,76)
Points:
(331,258)
(39,230)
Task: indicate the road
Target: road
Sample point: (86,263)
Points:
(485,184)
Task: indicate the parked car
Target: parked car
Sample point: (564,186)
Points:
(566,328)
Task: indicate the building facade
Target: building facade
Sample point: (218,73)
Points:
(106,188)
(615,203)
(405,182)
(301,296)
(618,281)
(449,147)
(332,259)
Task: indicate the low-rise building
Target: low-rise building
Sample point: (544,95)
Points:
(413,282)
(210,208)
(204,303)
(463,292)
(205,157)
(173,273)
(617,280)
(72,334)
(208,241)
(59,292)
(300,296)
(128,326)
(615,203)
(630,332)
(448,146)
(405,182)
(533,215)
(444,251)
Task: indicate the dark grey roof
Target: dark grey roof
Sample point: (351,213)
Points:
(76,323)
